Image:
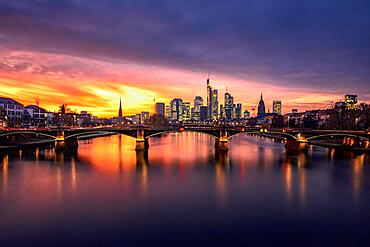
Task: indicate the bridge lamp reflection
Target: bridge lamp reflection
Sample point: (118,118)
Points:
(261,130)
(265,130)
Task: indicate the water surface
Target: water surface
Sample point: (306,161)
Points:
(181,192)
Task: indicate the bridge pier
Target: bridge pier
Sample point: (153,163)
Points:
(222,142)
(142,143)
(296,146)
(60,141)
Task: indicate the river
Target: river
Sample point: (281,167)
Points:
(182,193)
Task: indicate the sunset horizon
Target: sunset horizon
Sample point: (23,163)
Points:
(88,63)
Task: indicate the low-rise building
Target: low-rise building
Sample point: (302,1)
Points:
(12,110)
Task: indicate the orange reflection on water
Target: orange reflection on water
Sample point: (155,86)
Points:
(187,149)
(115,155)
(4,171)
(357,168)
(288,178)
(73,175)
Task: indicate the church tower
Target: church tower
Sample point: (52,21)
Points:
(120,110)
(261,108)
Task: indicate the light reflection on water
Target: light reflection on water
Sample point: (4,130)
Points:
(181,183)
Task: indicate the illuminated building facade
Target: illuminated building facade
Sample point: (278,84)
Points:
(229,106)
(351,101)
(238,111)
(276,105)
(214,115)
(176,108)
(198,102)
(209,100)
(185,111)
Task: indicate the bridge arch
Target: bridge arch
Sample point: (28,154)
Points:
(186,130)
(259,133)
(335,134)
(96,132)
(27,132)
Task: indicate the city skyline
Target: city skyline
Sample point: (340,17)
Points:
(135,52)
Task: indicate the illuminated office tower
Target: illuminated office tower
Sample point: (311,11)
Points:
(222,112)
(185,111)
(176,109)
(229,106)
(168,111)
(238,111)
(214,104)
(276,105)
(198,102)
(209,100)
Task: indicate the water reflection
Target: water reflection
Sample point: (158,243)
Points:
(179,179)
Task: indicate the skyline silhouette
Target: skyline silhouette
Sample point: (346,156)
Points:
(88,54)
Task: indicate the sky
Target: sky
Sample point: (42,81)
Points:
(88,53)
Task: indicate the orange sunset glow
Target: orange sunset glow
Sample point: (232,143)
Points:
(96,86)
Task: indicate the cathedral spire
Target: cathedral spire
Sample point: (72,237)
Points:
(120,108)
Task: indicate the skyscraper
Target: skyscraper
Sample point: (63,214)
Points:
(222,112)
(168,111)
(176,109)
(214,109)
(276,105)
(209,100)
(261,108)
(203,113)
(229,106)
(198,102)
(160,109)
(185,111)
(238,111)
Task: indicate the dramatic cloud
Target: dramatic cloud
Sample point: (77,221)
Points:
(300,51)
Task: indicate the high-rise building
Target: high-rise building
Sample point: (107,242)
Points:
(247,114)
(160,109)
(238,111)
(222,112)
(144,116)
(185,111)
(351,101)
(176,109)
(203,113)
(214,104)
(168,111)
(198,102)
(209,100)
(261,108)
(276,105)
(229,106)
